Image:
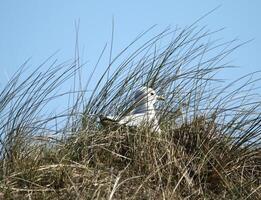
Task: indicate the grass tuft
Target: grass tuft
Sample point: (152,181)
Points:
(209,147)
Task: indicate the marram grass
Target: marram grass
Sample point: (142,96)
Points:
(209,147)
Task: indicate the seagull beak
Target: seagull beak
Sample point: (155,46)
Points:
(160,98)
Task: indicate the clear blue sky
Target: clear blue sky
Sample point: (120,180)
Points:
(36,29)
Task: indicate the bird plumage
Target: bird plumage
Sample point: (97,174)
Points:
(142,111)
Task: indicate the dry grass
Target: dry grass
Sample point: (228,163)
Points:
(209,147)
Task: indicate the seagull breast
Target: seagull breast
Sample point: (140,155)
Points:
(143,111)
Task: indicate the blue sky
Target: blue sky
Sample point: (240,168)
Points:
(37,29)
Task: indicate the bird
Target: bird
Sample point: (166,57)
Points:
(142,112)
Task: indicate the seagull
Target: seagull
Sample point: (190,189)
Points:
(142,112)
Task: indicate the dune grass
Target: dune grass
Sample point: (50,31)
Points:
(209,147)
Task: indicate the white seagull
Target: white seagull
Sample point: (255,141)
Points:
(142,112)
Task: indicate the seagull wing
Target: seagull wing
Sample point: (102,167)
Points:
(107,120)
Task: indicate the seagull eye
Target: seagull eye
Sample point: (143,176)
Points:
(152,93)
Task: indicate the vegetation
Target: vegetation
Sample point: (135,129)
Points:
(209,147)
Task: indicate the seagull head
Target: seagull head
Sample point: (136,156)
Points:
(147,96)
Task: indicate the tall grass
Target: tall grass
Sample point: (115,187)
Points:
(209,147)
